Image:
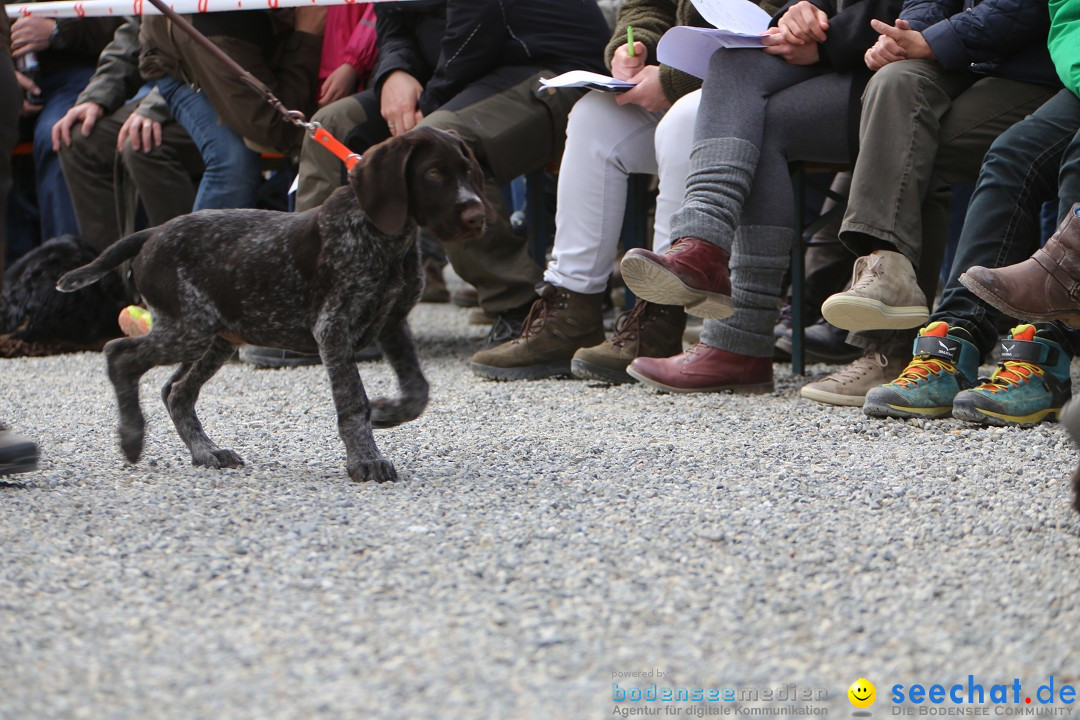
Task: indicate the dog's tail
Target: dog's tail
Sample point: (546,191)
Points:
(106,262)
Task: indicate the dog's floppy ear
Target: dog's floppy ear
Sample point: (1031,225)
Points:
(380,184)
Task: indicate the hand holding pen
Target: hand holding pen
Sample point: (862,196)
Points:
(629,59)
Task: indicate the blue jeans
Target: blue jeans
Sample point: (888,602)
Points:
(60,88)
(1036,160)
(233,172)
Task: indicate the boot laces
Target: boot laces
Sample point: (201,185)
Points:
(870,272)
(627,324)
(921,368)
(860,367)
(536,319)
(1010,374)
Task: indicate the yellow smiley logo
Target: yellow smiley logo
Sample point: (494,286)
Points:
(862,693)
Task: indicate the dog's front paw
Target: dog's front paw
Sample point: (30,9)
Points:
(391,412)
(217,458)
(377,470)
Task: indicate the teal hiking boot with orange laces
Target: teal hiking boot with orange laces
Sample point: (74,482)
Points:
(1030,384)
(946,362)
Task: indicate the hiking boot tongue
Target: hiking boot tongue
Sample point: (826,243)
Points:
(935,329)
(1023,332)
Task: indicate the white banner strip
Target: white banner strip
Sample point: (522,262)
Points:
(107,8)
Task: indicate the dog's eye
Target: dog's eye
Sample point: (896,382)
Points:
(434,174)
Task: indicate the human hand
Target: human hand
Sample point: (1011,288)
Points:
(28,87)
(87,113)
(30,34)
(624,67)
(338,84)
(802,54)
(398,102)
(884,51)
(903,39)
(647,93)
(310,20)
(142,132)
(803,23)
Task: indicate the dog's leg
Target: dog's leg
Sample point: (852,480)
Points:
(128,359)
(363,459)
(180,395)
(397,345)
(125,369)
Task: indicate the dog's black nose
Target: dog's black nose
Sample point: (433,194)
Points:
(473,216)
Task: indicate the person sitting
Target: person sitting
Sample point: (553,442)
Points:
(474,71)
(221,113)
(797,100)
(159,160)
(609,136)
(1037,159)
(949,77)
(65,52)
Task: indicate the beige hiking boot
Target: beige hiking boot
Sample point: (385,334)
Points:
(848,385)
(558,324)
(648,330)
(884,295)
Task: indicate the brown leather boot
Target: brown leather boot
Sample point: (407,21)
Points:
(692,273)
(558,323)
(1043,288)
(705,369)
(648,330)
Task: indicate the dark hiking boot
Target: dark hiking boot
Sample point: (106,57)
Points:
(648,330)
(558,324)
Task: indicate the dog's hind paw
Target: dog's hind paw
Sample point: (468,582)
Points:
(131,442)
(379,470)
(217,458)
(391,412)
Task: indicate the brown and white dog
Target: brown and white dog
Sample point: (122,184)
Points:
(328,280)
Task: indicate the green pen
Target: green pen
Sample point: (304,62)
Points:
(630,40)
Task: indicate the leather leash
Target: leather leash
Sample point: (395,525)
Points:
(318,133)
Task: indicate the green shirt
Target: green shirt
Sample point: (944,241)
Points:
(1064,41)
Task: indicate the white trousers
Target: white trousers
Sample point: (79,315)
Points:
(605,143)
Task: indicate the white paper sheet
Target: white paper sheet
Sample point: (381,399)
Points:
(689,48)
(586,79)
(738,16)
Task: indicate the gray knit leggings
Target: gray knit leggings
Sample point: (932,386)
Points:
(757,114)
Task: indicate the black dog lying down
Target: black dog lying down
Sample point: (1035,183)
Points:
(328,280)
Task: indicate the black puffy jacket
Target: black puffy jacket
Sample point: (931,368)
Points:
(450,45)
(1003,38)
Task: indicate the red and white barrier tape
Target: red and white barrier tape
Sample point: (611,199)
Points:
(118,8)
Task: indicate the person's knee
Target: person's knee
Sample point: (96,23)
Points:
(901,78)
(593,112)
(340,116)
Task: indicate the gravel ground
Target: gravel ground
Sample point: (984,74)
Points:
(546,539)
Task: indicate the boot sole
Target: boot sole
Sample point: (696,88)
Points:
(830,398)
(653,282)
(985,294)
(883,410)
(368,354)
(749,389)
(530,372)
(591,371)
(855,313)
(985,417)
(27,463)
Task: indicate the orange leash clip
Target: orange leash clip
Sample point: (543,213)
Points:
(331,143)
